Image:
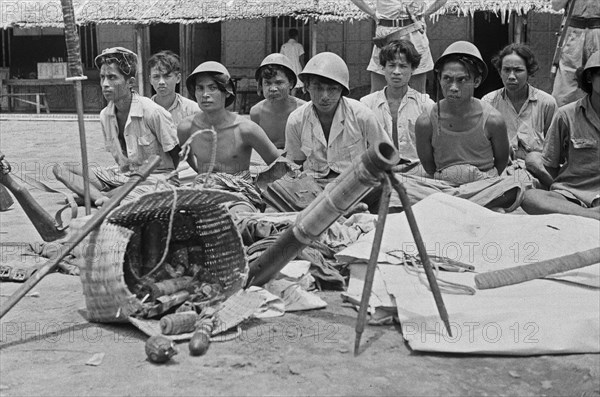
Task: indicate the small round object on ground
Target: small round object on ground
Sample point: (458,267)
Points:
(160,349)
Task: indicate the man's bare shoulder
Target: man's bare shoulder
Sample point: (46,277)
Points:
(495,118)
(247,126)
(424,120)
(256,109)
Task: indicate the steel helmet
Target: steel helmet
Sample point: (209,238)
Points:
(281,60)
(463,48)
(328,65)
(593,61)
(216,70)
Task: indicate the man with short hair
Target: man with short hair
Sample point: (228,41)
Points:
(570,162)
(276,78)
(295,53)
(165,74)
(404,20)
(328,134)
(397,106)
(134,127)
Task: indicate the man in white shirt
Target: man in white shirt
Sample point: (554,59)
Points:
(397,106)
(295,52)
(328,134)
(134,129)
(165,74)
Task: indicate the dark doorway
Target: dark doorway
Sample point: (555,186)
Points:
(207,43)
(490,35)
(28,47)
(164,36)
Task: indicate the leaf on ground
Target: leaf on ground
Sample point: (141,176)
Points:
(96,360)
(546,384)
(514,374)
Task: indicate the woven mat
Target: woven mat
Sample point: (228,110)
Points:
(233,312)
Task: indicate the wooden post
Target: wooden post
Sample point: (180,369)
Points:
(313,37)
(519,23)
(139,44)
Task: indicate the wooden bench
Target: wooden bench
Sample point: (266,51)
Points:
(39,103)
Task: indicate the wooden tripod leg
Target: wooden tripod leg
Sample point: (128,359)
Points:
(372,266)
(410,216)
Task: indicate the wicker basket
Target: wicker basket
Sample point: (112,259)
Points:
(201,221)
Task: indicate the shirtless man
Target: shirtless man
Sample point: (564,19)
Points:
(234,136)
(276,79)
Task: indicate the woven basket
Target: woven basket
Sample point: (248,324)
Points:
(201,222)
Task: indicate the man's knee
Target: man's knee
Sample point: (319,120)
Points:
(533,161)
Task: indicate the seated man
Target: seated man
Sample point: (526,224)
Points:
(397,106)
(570,162)
(165,74)
(220,141)
(276,79)
(326,135)
(134,129)
(526,110)
(462,142)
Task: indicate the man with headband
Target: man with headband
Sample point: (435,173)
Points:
(134,128)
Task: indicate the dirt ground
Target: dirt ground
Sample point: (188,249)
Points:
(45,340)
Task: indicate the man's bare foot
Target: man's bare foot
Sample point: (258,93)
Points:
(101,201)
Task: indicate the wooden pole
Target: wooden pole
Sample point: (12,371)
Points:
(532,271)
(313,37)
(139,49)
(433,285)
(76,76)
(372,266)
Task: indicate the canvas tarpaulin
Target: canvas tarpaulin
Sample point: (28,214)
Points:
(558,315)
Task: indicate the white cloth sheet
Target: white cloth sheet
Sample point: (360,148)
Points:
(535,317)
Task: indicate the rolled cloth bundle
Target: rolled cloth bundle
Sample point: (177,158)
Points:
(520,274)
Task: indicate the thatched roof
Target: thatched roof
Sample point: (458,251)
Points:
(47,13)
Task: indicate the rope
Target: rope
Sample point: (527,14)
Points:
(169,232)
(185,150)
(412,265)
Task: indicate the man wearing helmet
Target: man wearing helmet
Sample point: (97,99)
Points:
(570,160)
(276,79)
(134,129)
(326,135)
(221,141)
(462,142)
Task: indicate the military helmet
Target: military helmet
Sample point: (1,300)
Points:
(463,48)
(330,66)
(281,60)
(216,70)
